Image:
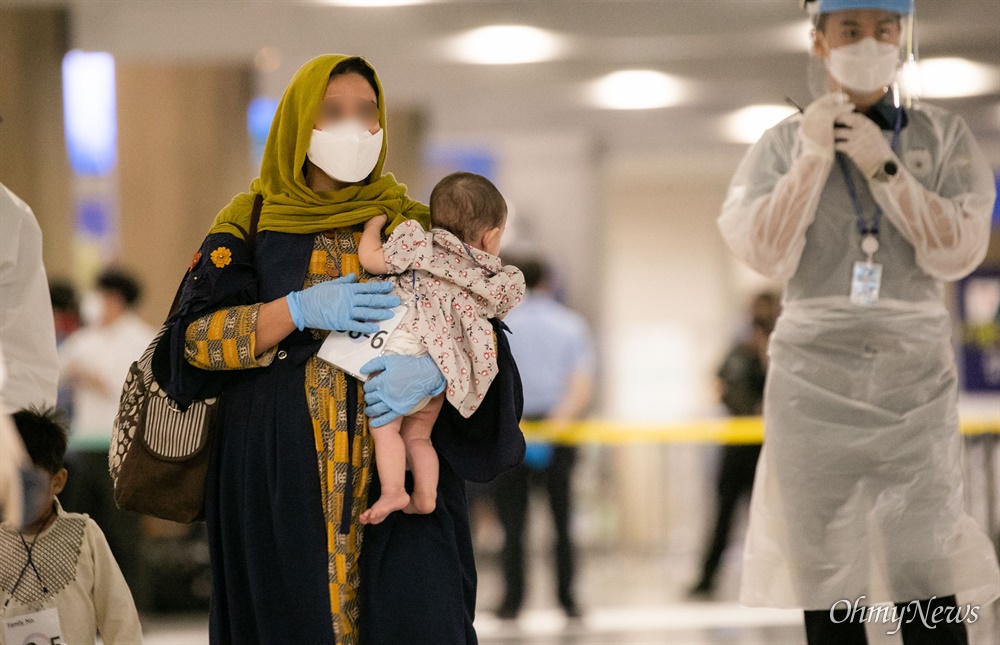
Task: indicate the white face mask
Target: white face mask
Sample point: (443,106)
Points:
(346,151)
(865,66)
(92,309)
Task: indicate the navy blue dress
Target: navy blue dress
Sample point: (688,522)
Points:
(263,503)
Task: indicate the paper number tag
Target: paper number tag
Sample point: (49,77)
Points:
(351,350)
(865,283)
(38,628)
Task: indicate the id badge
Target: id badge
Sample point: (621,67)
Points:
(38,628)
(865,283)
(351,350)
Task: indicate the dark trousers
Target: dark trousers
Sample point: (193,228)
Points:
(735,482)
(511,492)
(849,630)
(89,490)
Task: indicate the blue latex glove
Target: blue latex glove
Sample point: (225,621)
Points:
(401,383)
(343,304)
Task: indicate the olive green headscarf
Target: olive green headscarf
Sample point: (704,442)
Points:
(290,206)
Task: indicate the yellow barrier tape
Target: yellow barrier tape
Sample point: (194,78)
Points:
(736,430)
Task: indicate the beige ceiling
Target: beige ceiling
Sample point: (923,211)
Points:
(736,52)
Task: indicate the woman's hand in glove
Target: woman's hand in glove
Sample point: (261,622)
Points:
(343,304)
(401,382)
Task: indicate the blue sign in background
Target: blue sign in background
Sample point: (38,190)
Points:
(979,345)
(996,206)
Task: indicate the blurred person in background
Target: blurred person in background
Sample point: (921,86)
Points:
(94,362)
(866,206)
(292,469)
(741,384)
(554,352)
(66,311)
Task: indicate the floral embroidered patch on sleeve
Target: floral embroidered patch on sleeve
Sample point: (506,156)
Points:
(221,257)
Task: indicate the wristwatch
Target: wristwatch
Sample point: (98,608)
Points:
(886,171)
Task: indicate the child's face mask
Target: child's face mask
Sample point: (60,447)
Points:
(40,489)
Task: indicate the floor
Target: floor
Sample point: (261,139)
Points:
(649,609)
(635,594)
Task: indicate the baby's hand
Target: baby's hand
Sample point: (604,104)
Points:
(377,223)
(370,251)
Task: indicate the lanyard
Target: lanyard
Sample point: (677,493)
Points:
(864,228)
(28,548)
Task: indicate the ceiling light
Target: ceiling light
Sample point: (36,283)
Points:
(506,45)
(746,125)
(943,78)
(372,3)
(638,89)
(267,59)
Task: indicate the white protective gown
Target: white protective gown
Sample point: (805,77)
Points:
(859,488)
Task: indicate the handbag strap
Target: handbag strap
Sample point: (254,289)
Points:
(251,237)
(251,240)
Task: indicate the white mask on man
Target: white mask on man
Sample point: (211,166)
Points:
(346,151)
(864,66)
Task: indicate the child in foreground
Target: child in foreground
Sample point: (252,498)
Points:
(58,577)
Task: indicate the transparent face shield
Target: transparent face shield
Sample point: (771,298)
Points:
(856,57)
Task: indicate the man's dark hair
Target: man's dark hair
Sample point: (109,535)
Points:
(355,66)
(44,435)
(467,204)
(63,296)
(122,283)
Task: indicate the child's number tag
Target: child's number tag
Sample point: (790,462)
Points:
(39,628)
(865,283)
(351,350)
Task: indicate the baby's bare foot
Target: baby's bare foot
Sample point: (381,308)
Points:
(421,504)
(387,503)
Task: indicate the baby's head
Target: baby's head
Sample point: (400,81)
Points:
(44,437)
(472,208)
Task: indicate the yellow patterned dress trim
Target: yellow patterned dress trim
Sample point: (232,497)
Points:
(226,340)
(344,466)
(344,473)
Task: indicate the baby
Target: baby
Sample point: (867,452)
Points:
(453,282)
